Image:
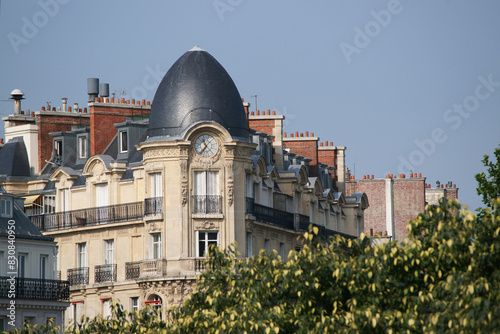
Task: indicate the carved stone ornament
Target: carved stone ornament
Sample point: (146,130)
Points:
(184,181)
(206,225)
(164,152)
(230,182)
(171,292)
(153,227)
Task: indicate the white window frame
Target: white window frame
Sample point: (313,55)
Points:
(109,251)
(123,134)
(202,236)
(155,246)
(6,207)
(156,184)
(82,147)
(77,309)
(49,203)
(134,304)
(81,255)
(44,262)
(106,307)
(58,147)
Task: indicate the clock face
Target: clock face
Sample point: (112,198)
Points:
(205,145)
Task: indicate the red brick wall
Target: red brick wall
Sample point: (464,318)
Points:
(53,123)
(102,121)
(451,193)
(262,125)
(376,212)
(329,157)
(307,147)
(409,201)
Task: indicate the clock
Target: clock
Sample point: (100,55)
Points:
(205,145)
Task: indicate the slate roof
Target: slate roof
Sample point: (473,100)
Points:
(14,159)
(196,89)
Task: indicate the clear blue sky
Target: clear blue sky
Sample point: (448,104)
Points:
(393,81)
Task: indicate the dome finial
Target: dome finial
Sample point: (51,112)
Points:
(197,48)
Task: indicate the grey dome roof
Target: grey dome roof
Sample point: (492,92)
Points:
(196,89)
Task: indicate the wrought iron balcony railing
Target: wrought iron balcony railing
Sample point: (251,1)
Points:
(132,270)
(145,268)
(34,289)
(153,206)
(105,273)
(98,215)
(207,204)
(287,220)
(78,276)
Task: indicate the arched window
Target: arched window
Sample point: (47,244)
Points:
(156,303)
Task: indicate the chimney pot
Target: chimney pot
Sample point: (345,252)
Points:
(307,133)
(301,134)
(258,112)
(96,99)
(372,177)
(143,102)
(112,100)
(128,101)
(268,112)
(84,110)
(331,143)
(1,140)
(32,114)
(320,144)
(364,177)
(419,174)
(69,109)
(149,103)
(284,134)
(274,112)
(133,101)
(312,134)
(43,108)
(123,100)
(291,135)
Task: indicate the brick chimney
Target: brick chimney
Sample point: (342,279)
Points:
(305,145)
(272,124)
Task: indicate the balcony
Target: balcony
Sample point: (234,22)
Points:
(78,276)
(97,216)
(145,268)
(207,204)
(35,289)
(295,222)
(153,206)
(105,273)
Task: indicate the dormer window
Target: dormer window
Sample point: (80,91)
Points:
(6,207)
(82,147)
(58,148)
(123,141)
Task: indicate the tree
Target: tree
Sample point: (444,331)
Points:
(489,184)
(443,278)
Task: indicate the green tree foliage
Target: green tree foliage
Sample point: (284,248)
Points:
(489,184)
(444,278)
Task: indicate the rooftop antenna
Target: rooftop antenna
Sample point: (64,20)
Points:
(255,95)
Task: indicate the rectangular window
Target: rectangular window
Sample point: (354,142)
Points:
(81,255)
(155,245)
(3,322)
(282,251)
(82,147)
(248,186)
(206,192)
(249,244)
(44,260)
(6,207)
(58,149)
(134,304)
(64,199)
(204,241)
(29,320)
(109,251)
(77,311)
(22,263)
(49,204)
(101,194)
(266,245)
(156,185)
(123,141)
(106,308)
(1,263)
